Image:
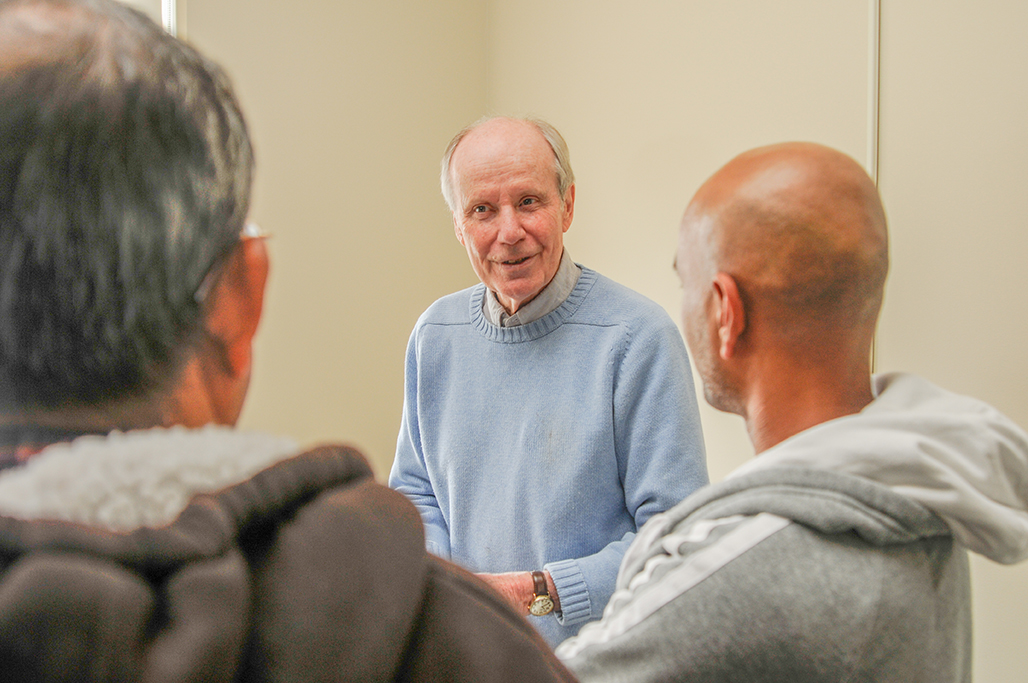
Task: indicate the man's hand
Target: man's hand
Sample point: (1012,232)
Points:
(518,589)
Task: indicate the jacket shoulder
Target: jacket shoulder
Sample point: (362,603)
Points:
(339,579)
(790,602)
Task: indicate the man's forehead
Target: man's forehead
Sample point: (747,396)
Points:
(501,139)
(508,157)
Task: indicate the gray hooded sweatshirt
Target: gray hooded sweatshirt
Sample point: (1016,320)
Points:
(837,555)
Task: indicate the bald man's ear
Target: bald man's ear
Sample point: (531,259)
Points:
(729,313)
(236,303)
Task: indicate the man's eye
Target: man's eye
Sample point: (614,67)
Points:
(481,208)
(528,201)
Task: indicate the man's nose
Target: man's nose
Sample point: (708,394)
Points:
(511,230)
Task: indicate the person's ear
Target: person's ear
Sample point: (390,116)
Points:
(457,229)
(569,207)
(236,302)
(729,313)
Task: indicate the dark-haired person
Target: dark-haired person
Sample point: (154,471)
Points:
(840,552)
(141,538)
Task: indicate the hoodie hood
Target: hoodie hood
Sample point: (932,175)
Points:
(956,456)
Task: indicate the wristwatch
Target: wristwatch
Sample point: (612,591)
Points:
(542,603)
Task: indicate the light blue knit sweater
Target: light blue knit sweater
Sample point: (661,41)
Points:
(549,444)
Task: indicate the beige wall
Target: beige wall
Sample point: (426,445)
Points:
(654,96)
(954,168)
(351,104)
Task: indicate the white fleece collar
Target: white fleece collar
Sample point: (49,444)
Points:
(957,456)
(144,478)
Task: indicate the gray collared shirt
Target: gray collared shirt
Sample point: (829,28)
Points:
(545,302)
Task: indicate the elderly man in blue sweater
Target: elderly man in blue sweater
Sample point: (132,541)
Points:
(548,411)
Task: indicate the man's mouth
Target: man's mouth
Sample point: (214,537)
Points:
(516,262)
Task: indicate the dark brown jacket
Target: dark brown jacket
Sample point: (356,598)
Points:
(309,571)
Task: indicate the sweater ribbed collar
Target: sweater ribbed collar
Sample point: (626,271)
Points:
(545,302)
(537,328)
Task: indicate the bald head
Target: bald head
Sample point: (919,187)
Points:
(801,229)
(561,157)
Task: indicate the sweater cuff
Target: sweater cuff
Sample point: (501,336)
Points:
(575,605)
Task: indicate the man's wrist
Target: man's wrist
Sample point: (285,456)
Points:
(552,587)
(543,598)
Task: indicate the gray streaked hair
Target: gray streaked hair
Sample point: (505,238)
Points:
(561,156)
(125,179)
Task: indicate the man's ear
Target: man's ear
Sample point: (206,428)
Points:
(456,229)
(730,314)
(236,302)
(569,207)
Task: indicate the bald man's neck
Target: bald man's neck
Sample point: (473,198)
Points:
(789,391)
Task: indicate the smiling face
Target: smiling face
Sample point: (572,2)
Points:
(509,214)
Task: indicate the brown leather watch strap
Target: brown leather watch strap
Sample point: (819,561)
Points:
(541,603)
(540,583)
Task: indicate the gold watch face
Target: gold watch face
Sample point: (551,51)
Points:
(541,606)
